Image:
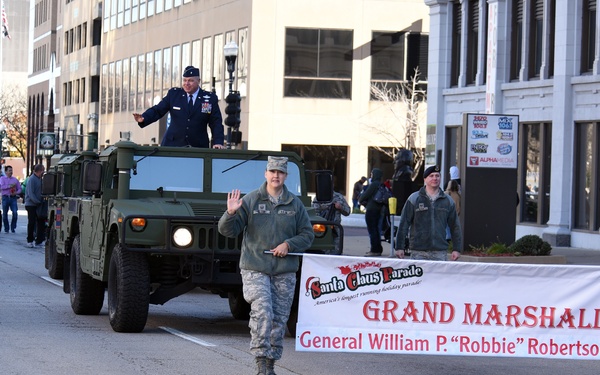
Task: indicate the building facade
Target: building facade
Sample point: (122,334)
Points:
(538,59)
(304,77)
(43,82)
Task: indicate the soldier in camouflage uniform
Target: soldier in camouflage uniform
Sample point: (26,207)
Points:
(272,219)
(333,211)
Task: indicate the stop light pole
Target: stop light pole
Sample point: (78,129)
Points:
(233,109)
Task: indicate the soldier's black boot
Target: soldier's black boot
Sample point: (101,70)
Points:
(261,366)
(271,366)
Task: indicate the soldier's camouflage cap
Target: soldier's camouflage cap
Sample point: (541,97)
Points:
(277,163)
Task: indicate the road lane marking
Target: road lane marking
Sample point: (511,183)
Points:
(52,281)
(185,336)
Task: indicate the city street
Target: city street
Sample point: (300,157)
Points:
(192,334)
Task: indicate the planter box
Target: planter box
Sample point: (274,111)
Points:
(542,259)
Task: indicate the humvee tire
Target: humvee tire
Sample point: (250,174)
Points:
(128,290)
(240,309)
(54,261)
(87,294)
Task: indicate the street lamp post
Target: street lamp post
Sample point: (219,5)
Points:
(234,136)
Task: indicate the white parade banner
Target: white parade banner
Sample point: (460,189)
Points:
(352,304)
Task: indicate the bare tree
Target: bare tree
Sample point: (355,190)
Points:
(13,114)
(403,101)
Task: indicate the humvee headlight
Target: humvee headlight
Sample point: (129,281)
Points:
(319,230)
(137,224)
(182,236)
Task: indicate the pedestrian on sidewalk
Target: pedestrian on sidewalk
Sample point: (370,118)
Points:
(373,213)
(271,218)
(11,189)
(33,202)
(358,188)
(426,214)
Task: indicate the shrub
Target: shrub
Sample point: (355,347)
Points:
(497,248)
(531,245)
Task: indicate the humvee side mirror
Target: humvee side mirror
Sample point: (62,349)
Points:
(49,184)
(92,177)
(324,185)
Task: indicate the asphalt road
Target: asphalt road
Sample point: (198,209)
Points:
(192,334)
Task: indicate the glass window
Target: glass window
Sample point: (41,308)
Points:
(318,63)
(168,4)
(587,189)
(218,64)
(248,175)
(134,11)
(141,83)
(242,61)
(516,39)
(143,9)
(185,55)
(149,78)
(127,17)
(177,71)
(132,83)
(588,40)
(534,194)
(159,6)
(166,69)
(206,64)
(118,84)
(120,13)
(111,84)
(147,179)
(125,89)
(196,53)
(157,73)
(150,8)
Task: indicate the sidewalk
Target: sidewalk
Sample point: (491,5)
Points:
(358,244)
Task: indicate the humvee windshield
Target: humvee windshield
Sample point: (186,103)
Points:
(187,175)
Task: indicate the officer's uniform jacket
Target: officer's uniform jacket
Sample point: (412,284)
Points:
(188,127)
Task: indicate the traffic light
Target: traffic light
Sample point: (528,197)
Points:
(233,109)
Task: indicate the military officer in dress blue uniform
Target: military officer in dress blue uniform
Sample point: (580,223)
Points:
(192,110)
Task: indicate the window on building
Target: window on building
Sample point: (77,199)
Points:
(242,61)
(588,36)
(125,87)
(134,11)
(111,88)
(141,65)
(97,33)
(160,6)
(587,176)
(84,35)
(120,13)
(516,39)
(395,56)
(196,53)
(149,79)
(166,68)
(536,37)
(206,63)
(127,16)
(185,55)
(118,84)
(318,63)
(538,22)
(83,90)
(176,71)
(158,74)
(534,191)
(457,20)
(218,64)
(103,88)
(472,42)
(95,89)
(132,83)
(332,158)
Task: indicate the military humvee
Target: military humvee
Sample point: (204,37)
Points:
(141,222)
